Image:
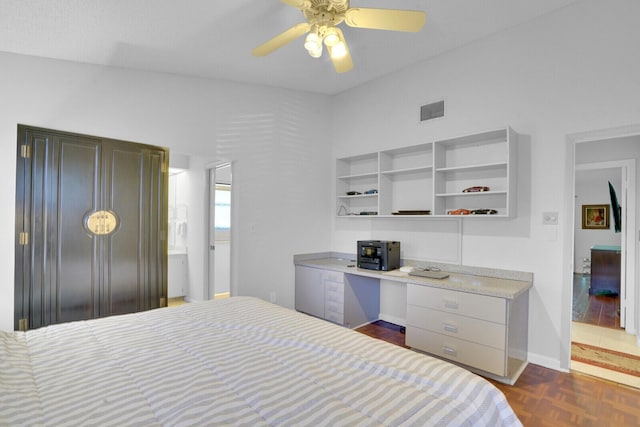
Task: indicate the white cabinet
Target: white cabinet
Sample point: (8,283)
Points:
(333,284)
(345,299)
(483,333)
(177,281)
(310,291)
(432,177)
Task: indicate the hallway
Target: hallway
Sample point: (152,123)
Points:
(596,322)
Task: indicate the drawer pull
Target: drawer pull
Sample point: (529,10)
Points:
(450,328)
(451,304)
(450,351)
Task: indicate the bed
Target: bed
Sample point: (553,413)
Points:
(237,361)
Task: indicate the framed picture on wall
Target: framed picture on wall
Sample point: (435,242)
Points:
(595,217)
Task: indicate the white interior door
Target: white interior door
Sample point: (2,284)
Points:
(220,231)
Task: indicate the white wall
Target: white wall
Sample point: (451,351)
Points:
(568,72)
(276,139)
(178,212)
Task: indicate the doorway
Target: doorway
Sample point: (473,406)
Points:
(605,154)
(219,269)
(600,251)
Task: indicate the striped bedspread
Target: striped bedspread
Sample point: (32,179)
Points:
(239,361)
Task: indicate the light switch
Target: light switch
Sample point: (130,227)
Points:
(550,218)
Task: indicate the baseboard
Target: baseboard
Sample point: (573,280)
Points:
(546,362)
(392,319)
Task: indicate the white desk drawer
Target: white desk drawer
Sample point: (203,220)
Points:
(334,317)
(334,276)
(334,297)
(467,304)
(460,351)
(454,325)
(333,307)
(334,292)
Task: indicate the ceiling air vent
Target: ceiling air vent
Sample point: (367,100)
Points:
(432,111)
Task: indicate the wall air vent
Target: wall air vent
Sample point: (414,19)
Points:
(432,111)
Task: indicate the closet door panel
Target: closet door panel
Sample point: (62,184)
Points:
(76,285)
(38,296)
(155,205)
(124,282)
(136,248)
(60,281)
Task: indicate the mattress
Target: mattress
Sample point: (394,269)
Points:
(239,361)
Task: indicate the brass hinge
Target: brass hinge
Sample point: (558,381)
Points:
(23,325)
(164,168)
(24,238)
(25,151)
(163,302)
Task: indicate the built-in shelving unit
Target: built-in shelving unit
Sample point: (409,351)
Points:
(431,177)
(359,175)
(405,179)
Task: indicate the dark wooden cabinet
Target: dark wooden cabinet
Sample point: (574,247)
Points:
(605,270)
(91,216)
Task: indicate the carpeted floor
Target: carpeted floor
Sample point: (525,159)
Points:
(605,358)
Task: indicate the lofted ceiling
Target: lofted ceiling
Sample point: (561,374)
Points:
(214,38)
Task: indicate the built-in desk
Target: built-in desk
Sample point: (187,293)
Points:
(476,317)
(605,270)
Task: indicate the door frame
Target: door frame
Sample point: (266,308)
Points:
(568,239)
(209,285)
(627,170)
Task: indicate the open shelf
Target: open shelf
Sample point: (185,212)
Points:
(432,176)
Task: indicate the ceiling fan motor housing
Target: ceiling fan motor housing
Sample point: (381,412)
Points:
(326,12)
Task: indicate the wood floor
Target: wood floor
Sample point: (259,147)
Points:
(599,310)
(544,397)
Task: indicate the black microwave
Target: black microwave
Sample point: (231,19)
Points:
(380,255)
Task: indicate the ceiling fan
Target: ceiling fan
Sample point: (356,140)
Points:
(323,17)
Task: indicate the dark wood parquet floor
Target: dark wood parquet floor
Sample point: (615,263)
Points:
(546,398)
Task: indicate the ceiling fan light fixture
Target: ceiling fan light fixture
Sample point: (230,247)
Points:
(313,43)
(339,50)
(315,53)
(331,37)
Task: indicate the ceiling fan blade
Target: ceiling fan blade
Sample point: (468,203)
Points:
(281,39)
(340,55)
(300,4)
(386,19)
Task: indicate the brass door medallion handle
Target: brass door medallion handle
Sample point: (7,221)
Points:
(101,223)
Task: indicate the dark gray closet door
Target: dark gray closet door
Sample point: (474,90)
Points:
(69,264)
(136,252)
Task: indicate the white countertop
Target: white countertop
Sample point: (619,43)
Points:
(472,283)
